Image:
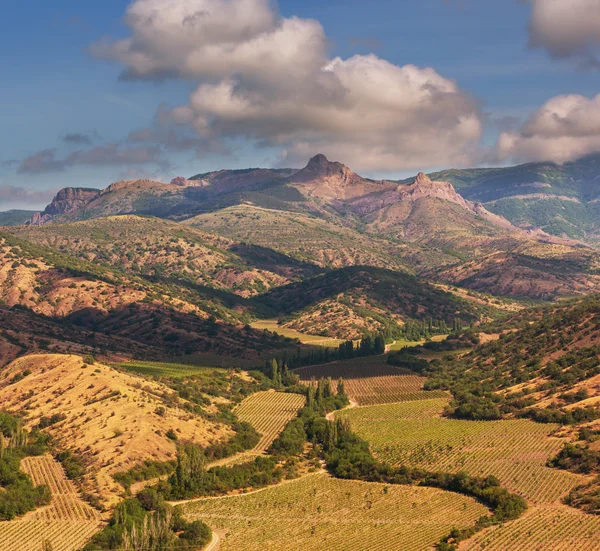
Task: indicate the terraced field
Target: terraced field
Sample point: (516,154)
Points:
(315,340)
(317,512)
(371,381)
(269,412)
(545,529)
(66,524)
(515,451)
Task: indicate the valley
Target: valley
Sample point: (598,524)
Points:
(298,359)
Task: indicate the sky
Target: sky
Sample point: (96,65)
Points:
(99,91)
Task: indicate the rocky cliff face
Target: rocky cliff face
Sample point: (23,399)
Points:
(67,200)
(334,181)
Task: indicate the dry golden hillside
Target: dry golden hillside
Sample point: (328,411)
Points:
(112,419)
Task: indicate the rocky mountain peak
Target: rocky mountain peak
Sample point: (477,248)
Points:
(422,179)
(318,162)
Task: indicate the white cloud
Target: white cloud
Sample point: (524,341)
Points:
(269,79)
(567,28)
(563,129)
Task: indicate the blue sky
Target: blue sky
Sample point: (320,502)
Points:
(60,99)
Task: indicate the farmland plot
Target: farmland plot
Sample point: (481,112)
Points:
(371,381)
(66,503)
(545,529)
(317,512)
(515,451)
(67,523)
(269,412)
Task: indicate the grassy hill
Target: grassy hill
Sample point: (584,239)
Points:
(173,317)
(349,302)
(155,248)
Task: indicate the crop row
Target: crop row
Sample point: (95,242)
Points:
(515,451)
(317,512)
(371,381)
(66,503)
(552,529)
(30,535)
(269,412)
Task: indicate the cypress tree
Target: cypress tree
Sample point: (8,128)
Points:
(273,370)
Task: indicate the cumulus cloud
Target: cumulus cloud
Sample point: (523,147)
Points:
(567,29)
(563,129)
(269,79)
(111,154)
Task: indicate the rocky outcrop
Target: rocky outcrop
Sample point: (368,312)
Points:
(334,181)
(67,200)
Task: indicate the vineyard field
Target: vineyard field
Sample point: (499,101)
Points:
(317,512)
(371,381)
(30,535)
(67,523)
(66,503)
(314,340)
(515,451)
(269,412)
(545,529)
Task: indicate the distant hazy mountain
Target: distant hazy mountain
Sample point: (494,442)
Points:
(562,200)
(15,217)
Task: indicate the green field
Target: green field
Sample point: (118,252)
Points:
(515,451)
(318,513)
(315,340)
(171,370)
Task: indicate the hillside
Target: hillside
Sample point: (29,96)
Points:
(110,419)
(559,199)
(155,248)
(176,318)
(545,363)
(307,238)
(348,302)
(522,275)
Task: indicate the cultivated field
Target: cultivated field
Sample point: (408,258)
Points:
(371,381)
(66,503)
(545,529)
(515,451)
(269,412)
(30,535)
(67,523)
(170,370)
(314,340)
(317,512)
